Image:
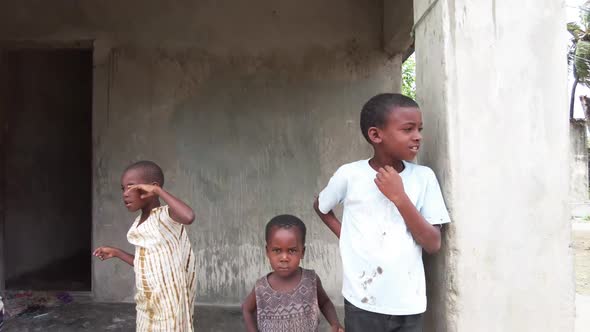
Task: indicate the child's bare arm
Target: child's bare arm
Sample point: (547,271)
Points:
(179,210)
(109,252)
(329,218)
(249,312)
(426,235)
(328,309)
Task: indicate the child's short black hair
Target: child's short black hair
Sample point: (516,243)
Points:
(374,112)
(286,221)
(151,172)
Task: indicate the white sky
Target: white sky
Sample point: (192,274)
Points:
(573,14)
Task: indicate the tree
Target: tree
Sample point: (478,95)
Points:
(579,52)
(409,77)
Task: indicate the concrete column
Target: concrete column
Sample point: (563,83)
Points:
(578,163)
(491,82)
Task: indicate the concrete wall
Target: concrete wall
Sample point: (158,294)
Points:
(47,157)
(398,20)
(248,107)
(578,162)
(496,127)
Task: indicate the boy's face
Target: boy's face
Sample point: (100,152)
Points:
(400,137)
(285,250)
(132,198)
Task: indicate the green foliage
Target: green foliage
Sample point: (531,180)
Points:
(575,29)
(582,61)
(579,52)
(578,56)
(409,77)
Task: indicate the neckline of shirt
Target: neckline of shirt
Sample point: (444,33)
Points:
(289,291)
(402,173)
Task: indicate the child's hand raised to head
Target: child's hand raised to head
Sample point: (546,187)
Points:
(105,253)
(390,183)
(146,190)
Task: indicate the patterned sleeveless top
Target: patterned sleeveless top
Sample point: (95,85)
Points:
(292,311)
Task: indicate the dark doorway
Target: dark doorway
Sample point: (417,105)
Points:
(46,171)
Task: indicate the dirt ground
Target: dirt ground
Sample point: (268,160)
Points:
(120,317)
(581,237)
(581,245)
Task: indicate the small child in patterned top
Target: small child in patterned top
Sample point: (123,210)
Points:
(290,298)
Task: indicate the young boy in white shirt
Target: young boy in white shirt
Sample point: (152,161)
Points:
(393,210)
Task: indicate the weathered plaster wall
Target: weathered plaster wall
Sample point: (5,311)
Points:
(220,26)
(248,107)
(241,138)
(398,21)
(495,132)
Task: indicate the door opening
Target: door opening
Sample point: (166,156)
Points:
(46,109)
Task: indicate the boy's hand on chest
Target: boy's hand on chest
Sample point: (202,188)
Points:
(390,184)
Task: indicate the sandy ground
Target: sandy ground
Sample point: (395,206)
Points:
(581,237)
(120,317)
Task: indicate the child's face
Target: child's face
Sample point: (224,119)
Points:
(400,137)
(132,198)
(285,250)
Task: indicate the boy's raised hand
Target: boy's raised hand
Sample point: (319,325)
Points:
(147,190)
(390,183)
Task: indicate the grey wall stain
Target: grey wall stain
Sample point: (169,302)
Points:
(246,126)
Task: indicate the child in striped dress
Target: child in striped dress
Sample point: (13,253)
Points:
(164,262)
(290,298)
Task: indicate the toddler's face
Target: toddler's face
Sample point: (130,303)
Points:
(132,198)
(401,135)
(285,250)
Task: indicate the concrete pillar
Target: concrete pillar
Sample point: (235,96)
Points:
(578,163)
(491,80)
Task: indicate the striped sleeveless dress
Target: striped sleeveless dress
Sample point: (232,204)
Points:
(293,311)
(165,274)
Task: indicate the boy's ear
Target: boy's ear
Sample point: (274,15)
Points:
(303,252)
(156,184)
(374,135)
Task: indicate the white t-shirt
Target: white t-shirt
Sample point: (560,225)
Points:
(382,264)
